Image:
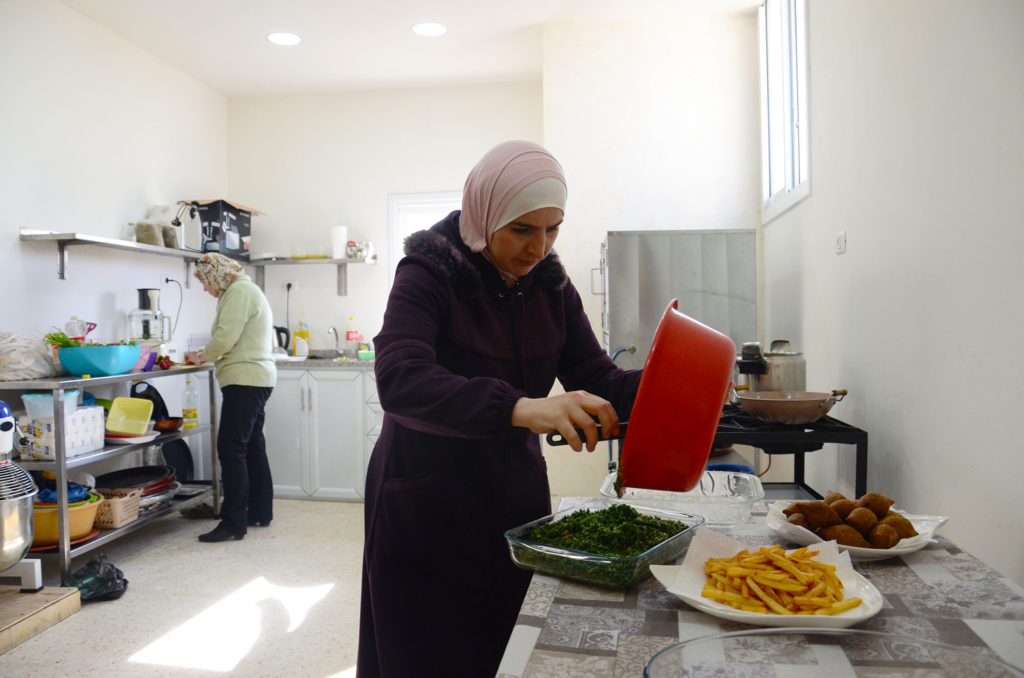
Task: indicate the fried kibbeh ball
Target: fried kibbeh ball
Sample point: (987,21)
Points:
(842,507)
(843,534)
(818,514)
(904,528)
(878,503)
(883,536)
(833,497)
(798,520)
(862,520)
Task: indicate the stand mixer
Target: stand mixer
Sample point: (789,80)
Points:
(17,490)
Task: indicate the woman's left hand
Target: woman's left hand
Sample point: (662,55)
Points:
(194,357)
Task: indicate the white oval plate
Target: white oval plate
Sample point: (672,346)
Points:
(132,440)
(925,526)
(686,582)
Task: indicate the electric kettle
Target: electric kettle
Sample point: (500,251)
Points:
(283,339)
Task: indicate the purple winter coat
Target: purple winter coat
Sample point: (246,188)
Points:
(449,473)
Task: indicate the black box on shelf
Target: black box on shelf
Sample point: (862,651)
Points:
(226,226)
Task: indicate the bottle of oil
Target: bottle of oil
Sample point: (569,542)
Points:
(190,404)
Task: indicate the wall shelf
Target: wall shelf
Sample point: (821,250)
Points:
(67,239)
(342,266)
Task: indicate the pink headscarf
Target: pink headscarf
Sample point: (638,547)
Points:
(501,174)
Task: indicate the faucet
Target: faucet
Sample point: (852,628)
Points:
(331,330)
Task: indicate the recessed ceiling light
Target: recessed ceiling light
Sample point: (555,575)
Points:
(429,29)
(284,39)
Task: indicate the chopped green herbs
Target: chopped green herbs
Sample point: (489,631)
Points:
(618,531)
(621,540)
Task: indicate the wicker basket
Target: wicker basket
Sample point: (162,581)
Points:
(120,508)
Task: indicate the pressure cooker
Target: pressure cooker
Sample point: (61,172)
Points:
(778,369)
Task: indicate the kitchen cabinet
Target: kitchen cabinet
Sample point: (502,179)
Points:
(62,464)
(315,434)
(373,416)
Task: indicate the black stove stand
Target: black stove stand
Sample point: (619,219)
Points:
(736,427)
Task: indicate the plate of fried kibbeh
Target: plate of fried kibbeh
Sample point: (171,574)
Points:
(868,527)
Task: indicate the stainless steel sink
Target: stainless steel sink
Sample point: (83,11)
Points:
(323,354)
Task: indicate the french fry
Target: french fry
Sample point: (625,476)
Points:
(771,581)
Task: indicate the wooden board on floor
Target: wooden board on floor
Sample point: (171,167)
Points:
(23,615)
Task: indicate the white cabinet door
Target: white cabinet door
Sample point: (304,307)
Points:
(336,443)
(373,417)
(287,432)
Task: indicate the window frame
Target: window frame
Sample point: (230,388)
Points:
(402,208)
(785,123)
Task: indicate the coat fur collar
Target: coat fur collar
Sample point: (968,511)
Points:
(463,266)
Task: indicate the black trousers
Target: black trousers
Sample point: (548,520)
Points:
(242,450)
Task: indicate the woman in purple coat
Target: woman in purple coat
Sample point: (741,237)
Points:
(481,321)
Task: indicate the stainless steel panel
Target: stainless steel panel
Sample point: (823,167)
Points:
(711,272)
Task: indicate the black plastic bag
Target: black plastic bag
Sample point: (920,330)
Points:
(98,580)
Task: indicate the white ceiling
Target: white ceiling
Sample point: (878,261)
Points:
(349,44)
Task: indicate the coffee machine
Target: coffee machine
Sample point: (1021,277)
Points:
(147,325)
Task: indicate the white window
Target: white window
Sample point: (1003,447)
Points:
(785,132)
(411,212)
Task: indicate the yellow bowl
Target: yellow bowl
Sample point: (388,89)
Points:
(130,415)
(80,520)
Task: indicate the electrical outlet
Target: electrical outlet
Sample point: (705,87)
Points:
(840,244)
(290,285)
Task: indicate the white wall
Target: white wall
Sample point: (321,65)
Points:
(313,162)
(94,131)
(917,153)
(657,127)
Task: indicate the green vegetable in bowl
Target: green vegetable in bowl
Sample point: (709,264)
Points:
(618,531)
(61,340)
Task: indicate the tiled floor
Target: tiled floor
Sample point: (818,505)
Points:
(282,602)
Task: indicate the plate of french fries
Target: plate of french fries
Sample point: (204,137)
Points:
(770,586)
(925,526)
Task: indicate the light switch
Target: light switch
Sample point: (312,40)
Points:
(840,245)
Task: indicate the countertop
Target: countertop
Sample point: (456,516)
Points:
(940,594)
(323,364)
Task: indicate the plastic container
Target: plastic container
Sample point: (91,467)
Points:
(590,568)
(80,521)
(98,361)
(352,336)
(130,415)
(40,405)
(190,405)
(721,497)
(120,508)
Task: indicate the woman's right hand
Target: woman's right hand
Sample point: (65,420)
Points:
(565,413)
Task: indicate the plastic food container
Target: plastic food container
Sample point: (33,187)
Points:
(591,568)
(130,415)
(721,497)
(39,405)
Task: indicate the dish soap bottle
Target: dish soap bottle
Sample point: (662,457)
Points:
(301,339)
(190,404)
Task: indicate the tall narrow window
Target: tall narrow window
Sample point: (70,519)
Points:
(411,212)
(785,131)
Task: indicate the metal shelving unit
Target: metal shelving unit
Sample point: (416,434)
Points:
(60,466)
(67,239)
(341,264)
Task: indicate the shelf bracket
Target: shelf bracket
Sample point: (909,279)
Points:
(342,280)
(62,260)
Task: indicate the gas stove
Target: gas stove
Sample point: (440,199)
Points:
(736,427)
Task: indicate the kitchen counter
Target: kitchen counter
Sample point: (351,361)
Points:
(940,594)
(324,364)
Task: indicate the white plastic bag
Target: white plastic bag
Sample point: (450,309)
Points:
(21,359)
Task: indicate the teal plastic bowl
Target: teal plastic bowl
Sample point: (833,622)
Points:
(98,361)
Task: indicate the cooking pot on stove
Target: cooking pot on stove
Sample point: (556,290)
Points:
(789,407)
(778,369)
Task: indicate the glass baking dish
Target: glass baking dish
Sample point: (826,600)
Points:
(721,497)
(591,568)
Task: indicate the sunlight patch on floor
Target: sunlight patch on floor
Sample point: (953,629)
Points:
(219,637)
(350,672)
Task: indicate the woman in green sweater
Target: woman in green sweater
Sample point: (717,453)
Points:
(241,346)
